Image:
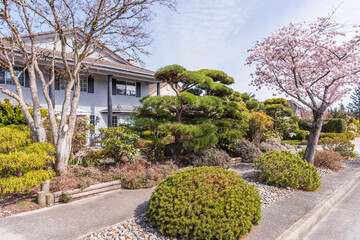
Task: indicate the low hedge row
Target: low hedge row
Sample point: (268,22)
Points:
(304,135)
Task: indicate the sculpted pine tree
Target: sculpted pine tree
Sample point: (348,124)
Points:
(203,113)
(80,29)
(315,64)
(284,120)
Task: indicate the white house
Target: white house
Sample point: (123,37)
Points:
(112,83)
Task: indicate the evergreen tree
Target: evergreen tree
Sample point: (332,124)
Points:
(285,121)
(204,112)
(354,106)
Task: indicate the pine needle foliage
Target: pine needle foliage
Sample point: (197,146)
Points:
(287,170)
(204,203)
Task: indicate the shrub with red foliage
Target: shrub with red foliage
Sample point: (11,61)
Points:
(142,174)
(329,159)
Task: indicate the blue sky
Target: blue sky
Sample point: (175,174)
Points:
(216,34)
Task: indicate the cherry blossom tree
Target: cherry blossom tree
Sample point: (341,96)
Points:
(316,63)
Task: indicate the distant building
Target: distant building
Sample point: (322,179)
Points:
(298,110)
(165,90)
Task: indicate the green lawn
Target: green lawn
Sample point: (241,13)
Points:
(292,142)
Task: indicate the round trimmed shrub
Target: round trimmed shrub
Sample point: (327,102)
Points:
(287,170)
(204,203)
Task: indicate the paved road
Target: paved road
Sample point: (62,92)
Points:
(68,221)
(342,222)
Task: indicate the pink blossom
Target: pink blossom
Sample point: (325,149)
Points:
(313,63)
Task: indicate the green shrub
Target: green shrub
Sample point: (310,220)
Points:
(302,135)
(305,124)
(343,136)
(12,137)
(204,203)
(210,157)
(335,126)
(117,142)
(329,160)
(344,147)
(12,115)
(301,152)
(65,197)
(26,168)
(287,170)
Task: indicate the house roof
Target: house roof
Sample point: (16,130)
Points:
(121,109)
(94,62)
(80,33)
(292,102)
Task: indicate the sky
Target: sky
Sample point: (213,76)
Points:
(216,34)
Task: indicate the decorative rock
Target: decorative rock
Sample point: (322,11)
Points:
(41,198)
(49,198)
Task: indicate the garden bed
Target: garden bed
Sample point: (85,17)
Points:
(140,228)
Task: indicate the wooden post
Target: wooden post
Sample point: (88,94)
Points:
(49,198)
(45,186)
(41,198)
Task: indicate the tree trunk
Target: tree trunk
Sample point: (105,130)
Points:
(256,135)
(314,135)
(63,150)
(177,144)
(40,135)
(67,127)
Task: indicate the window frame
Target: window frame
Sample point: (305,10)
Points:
(113,119)
(83,80)
(126,90)
(8,79)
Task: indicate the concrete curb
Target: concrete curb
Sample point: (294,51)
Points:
(305,224)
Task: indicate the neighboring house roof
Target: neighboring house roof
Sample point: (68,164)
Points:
(295,106)
(121,109)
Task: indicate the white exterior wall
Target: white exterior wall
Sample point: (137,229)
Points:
(165,91)
(89,103)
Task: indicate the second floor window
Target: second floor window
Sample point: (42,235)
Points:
(83,83)
(5,77)
(125,88)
